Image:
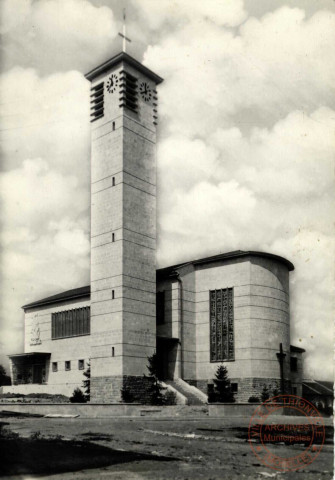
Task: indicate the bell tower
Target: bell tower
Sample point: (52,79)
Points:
(123,225)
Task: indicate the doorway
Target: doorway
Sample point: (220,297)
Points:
(167,349)
(38,373)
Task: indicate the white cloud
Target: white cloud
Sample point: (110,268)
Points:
(56,34)
(169,12)
(13,13)
(44,238)
(45,117)
(215,77)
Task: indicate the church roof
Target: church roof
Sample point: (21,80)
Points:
(123,57)
(226,256)
(162,272)
(295,349)
(68,295)
(317,387)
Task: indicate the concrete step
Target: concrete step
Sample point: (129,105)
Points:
(192,394)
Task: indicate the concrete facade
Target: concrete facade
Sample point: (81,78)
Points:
(260,286)
(123,231)
(73,350)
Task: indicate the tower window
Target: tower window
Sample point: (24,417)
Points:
(67,365)
(113,181)
(113,294)
(113,237)
(113,352)
(97,102)
(81,364)
(113,126)
(54,366)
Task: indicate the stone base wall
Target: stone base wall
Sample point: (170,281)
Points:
(109,389)
(247,387)
(106,389)
(138,387)
(202,385)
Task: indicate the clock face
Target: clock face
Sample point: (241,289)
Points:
(145,91)
(112,83)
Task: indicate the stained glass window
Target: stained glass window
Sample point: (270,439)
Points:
(221,317)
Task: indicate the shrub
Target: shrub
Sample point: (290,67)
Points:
(155,387)
(253,399)
(265,395)
(87,382)
(78,396)
(222,389)
(4,378)
(127,396)
(169,398)
(275,390)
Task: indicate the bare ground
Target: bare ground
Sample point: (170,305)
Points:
(145,448)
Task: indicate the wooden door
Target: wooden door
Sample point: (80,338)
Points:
(37,373)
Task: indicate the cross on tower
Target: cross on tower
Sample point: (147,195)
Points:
(123,34)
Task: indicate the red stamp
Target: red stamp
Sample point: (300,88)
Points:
(300,440)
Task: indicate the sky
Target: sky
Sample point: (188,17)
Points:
(245,151)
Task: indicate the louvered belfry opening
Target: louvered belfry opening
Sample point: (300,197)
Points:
(154,103)
(128,91)
(97,102)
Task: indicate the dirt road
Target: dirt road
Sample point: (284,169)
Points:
(150,449)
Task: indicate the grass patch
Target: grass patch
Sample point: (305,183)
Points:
(42,456)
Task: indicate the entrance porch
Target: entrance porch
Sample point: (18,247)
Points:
(29,368)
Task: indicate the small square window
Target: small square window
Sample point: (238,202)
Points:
(67,365)
(54,366)
(234,387)
(81,364)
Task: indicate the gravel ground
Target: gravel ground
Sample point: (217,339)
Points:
(164,449)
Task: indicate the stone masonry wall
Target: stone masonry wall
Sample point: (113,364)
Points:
(247,387)
(108,389)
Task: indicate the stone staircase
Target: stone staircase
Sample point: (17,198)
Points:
(193,395)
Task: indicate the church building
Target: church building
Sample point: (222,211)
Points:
(230,309)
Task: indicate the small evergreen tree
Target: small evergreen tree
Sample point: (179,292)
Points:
(87,382)
(78,396)
(155,387)
(265,395)
(222,387)
(275,391)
